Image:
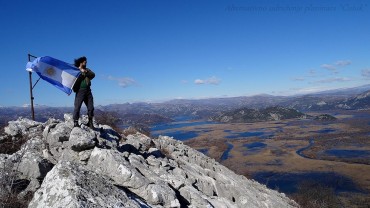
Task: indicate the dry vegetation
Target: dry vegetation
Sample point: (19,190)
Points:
(313,195)
(10,184)
(108,118)
(280,154)
(215,147)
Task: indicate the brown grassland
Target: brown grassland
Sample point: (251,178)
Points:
(351,131)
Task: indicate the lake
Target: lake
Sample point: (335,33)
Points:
(344,153)
(181,122)
(238,135)
(289,182)
(254,141)
(226,155)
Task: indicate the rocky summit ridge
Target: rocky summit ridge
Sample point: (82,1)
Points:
(62,166)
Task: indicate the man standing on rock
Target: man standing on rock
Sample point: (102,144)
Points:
(82,88)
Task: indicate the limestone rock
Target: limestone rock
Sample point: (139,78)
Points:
(140,141)
(68,119)
(71,185)
(56,135)
(22,126)
(195,168)
(112,164)
(83,167)
(60,133)
(107,137)
(82,139)
(34,166)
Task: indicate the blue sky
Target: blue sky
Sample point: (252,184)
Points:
(154,51)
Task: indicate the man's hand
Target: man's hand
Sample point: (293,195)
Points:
(82,67)
(83,70)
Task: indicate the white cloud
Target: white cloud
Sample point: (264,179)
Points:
(298,79)
(312,73)
(297,91)
(309,90)
(343,62)
(199,81)
(339,63)
(366,73)
(123,81)
(302,91)
(212,80)
(329,67)
(335,79)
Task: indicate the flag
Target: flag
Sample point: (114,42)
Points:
(58,73)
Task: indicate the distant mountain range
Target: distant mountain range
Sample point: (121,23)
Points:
(132,113)
(42,113)
(256,115)
(247,115)
(329,102)
(345,92)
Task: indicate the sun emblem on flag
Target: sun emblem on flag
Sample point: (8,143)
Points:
(50,71)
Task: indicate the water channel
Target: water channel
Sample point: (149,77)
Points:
(285,182)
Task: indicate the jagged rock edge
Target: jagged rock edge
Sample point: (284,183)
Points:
(181,171)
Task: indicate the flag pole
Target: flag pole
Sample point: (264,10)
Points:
(31,93)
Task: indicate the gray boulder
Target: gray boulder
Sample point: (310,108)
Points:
(141,142)
(22,126)
(56,136)
(58,133)
(210,179)
(28,165)
(107,137)
(83,167)
(82,139)
(68,120)
(71,185)
(113,164)
(34,166)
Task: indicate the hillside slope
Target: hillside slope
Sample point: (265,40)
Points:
(62,166)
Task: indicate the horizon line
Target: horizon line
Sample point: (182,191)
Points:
(26,105)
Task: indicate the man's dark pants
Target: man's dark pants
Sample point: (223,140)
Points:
(83,95)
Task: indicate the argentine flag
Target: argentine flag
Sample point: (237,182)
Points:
(58,73)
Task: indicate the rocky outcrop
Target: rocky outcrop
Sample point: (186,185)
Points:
(246,115)
(69,184)
(325,117)
(80,167)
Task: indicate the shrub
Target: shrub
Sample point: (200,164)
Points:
(11,145)
(166,153)
(107,118)
(311,194)
(136,129)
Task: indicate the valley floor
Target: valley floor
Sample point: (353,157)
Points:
(286,155)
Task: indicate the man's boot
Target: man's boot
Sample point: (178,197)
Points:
(76,124)
(90,123)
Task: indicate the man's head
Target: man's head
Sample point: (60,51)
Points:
(82,61)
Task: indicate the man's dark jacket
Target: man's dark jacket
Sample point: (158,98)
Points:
(88,76)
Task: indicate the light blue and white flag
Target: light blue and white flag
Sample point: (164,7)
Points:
(58,73)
